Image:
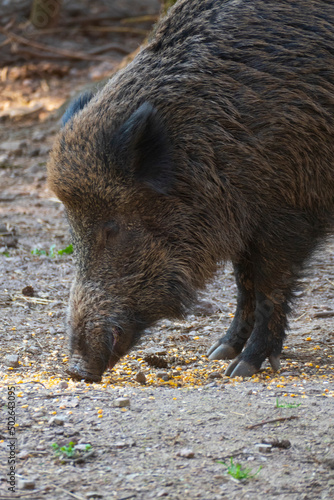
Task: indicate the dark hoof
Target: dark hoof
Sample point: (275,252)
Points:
(231,367)
(240,369)
(275,363)
(222,351)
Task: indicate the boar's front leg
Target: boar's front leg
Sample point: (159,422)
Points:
(229,346)
(274,280)
(266,339)
(264,290)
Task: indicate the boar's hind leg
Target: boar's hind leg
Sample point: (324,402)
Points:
(229,346)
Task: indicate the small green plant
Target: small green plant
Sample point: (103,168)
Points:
(287,405)
(238,472)
(69,451)
(52,252)
(37,251)
(5,254)
(68,250)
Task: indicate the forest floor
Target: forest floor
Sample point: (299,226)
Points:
(176,431)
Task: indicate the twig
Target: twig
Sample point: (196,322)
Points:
(280,419)
(88,20)
(233,454)
(5,42)
(109,46)
(48,48)
(116,29)
(34,300)
(140,19)
(323,314)
(50,396)
(329,281)
(29,52)
(301,316)
(68,492)
(33,382)
(60,394)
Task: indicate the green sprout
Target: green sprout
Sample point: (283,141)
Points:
(68,250)
(52,252)
(69,451)
(288,405)
(36,251)
(237,471)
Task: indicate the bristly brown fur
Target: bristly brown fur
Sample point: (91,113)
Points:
(215,143)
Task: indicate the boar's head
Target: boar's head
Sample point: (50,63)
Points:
(139,254)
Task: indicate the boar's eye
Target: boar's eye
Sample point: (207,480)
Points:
(111,229)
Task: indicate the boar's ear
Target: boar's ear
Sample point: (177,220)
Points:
(76,106)
(141,148)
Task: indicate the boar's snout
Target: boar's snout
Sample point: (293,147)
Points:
(79,369)
(90,367)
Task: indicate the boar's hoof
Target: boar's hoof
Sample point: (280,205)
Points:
(275,362)
(78,373)
(240,369)
(222,351)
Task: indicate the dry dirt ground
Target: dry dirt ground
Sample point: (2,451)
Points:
(176,429)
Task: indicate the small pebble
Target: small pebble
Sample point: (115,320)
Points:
(284,443)
(33,349)
(3,158)
(93,494)
(157,351)
(185,453)
(11,360)
(124,444)
(209,386)
(122,402)
(263,448)
(63,384)
(163,375)
(162,493)
(140,377)
(38,135)
(329,462)
(14,147)
(26,484)
(34,152)
(57,420)
(81,446)
(28,291)
(204,308)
